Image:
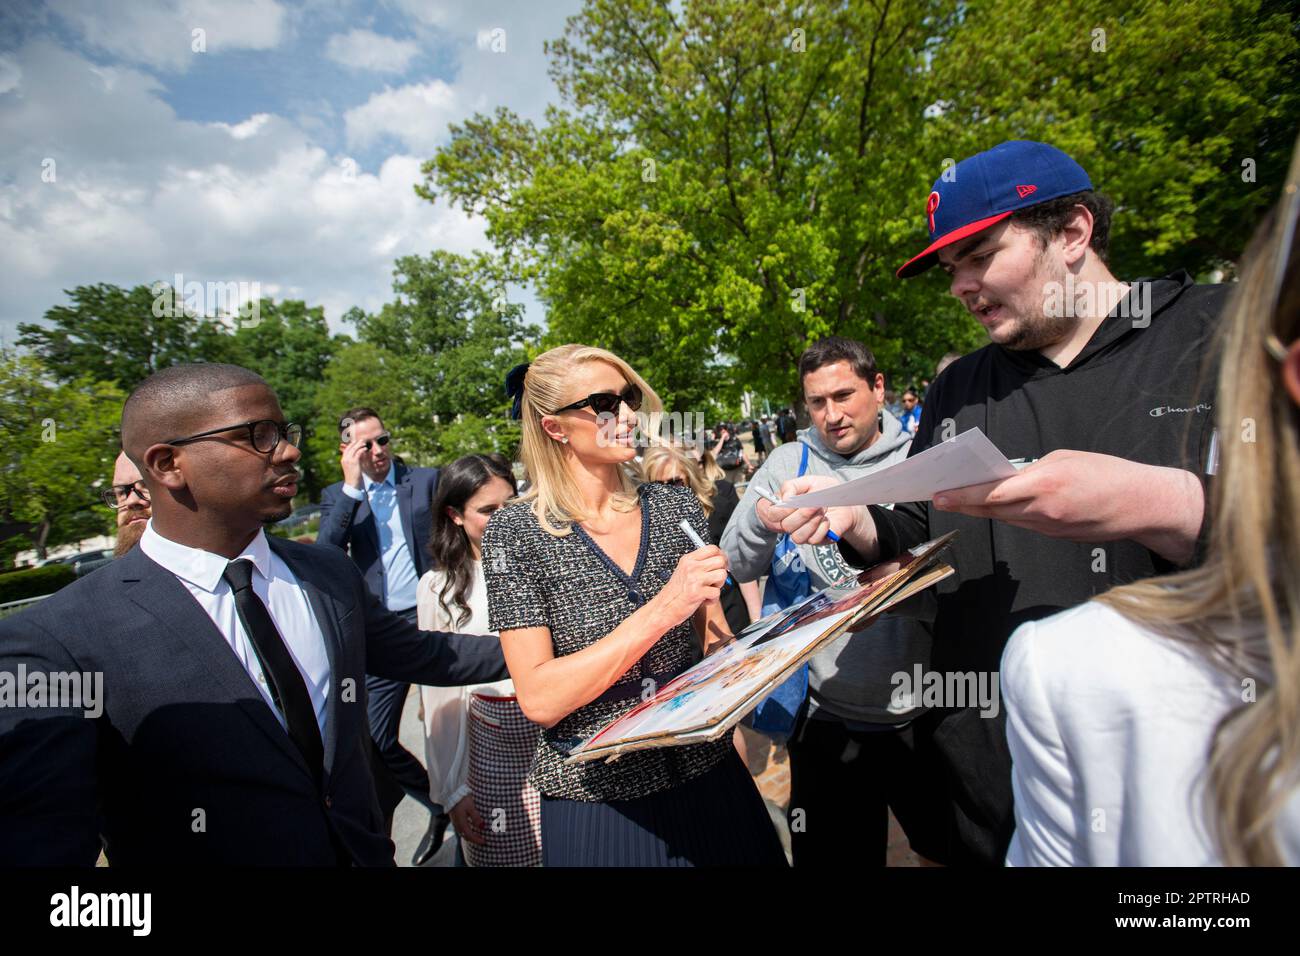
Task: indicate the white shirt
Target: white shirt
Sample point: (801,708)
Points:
(400,578)
(1110,728)
(446,709)
(200,571)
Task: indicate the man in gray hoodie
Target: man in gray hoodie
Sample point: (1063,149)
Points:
(851,756)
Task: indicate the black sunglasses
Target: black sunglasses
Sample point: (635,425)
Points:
(603,403)
(381,441)
(264,435)
(679,482)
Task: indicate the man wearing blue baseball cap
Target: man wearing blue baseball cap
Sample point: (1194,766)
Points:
(1098,383)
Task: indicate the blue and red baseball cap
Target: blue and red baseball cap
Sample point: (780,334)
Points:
(986,188)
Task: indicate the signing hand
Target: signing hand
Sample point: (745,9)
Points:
(698,579)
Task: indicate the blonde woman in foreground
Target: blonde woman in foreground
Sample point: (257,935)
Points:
(1159,724)
(598,595)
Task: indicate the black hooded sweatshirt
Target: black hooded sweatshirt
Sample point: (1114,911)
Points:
(1138,391)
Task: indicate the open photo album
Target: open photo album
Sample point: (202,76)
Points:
(707,700)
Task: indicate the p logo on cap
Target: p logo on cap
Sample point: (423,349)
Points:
(986,188)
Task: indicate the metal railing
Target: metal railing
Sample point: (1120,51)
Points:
(13,607)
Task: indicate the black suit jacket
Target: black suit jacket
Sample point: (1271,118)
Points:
(187,763)
(349,524)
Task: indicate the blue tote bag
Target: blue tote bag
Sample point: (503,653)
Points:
(788,582)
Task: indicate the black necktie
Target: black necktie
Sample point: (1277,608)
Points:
(288,689)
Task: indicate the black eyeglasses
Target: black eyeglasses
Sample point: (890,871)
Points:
(264,435)
(116,496)
(602,403)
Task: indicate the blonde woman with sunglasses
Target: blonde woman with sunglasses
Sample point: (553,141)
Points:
(599,597)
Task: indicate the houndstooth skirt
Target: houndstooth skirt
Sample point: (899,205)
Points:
(502,742)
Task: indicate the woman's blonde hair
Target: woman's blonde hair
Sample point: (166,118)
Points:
(553,495)
(1242,606)
(710,468)
(660,459)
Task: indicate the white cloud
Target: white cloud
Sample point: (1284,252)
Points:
(160,33)
(140,195)
(415,116)
(10,75)
(499,52)
(247,128)
(364,50)
(426,12)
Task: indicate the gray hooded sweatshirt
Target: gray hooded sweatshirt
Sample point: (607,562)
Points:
(850,678)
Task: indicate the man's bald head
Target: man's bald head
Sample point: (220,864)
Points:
(170,402)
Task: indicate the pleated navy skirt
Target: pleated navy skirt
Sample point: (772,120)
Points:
(715,819)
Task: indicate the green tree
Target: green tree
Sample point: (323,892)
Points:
(111,334)
(362,373)
(451,318)
(60,441)
(449,337)
(722,189)
(476,434)
(291,347)
(728,182)
(1184,113)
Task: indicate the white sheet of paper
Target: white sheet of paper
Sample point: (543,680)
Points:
(968,459)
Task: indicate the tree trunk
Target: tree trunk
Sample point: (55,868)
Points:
(42,533)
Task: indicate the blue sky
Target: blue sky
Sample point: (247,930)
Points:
(283,154)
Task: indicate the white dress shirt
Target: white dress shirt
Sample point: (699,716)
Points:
(201,573)
(400,579)
(1110,728)
(446,709)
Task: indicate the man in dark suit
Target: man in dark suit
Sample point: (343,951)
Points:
(231,728)
(381,514)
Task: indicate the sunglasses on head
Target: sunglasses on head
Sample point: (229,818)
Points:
(603,403)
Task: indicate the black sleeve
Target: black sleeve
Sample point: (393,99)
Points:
(47,762)
(907,524)
(398,650)
(725,501)
(336,513)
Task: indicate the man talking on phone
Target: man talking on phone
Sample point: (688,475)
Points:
(381,514)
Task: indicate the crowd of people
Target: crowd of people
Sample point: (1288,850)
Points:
(1131,588)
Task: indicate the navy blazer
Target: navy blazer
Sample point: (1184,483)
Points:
(349,524)
(187,763)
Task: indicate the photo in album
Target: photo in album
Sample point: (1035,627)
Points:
(711,697)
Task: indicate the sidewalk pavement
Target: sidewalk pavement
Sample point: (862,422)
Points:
(411,819)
